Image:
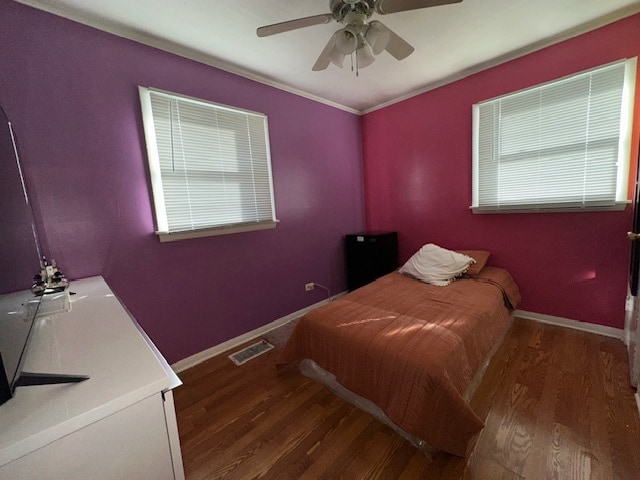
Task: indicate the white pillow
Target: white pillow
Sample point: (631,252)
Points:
(436,265)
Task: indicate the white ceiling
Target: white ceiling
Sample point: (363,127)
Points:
(450,41)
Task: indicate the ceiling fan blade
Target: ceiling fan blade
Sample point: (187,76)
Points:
(398,47)
(325,57)
(294,24)
(384,7)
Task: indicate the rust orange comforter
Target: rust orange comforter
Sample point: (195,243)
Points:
(411,348)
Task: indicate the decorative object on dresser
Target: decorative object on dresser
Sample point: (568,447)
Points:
(369,256)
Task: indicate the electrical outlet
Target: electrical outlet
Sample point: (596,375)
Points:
(308,286)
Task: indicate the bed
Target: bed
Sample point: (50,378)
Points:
(408,352)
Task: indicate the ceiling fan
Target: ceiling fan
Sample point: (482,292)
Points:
(359,35)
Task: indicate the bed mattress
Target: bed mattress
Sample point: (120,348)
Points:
(412,348)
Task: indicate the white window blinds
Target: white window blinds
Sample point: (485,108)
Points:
(209,164)
(561,145)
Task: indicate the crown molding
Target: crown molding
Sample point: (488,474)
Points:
(207,59)
(176,49)
(534,47)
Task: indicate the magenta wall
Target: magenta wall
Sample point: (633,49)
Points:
(417,166)
(71,93)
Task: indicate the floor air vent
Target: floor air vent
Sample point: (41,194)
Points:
(252,351)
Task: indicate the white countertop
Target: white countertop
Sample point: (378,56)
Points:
(97,337)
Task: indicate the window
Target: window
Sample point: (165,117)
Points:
(209,164)
(563,145)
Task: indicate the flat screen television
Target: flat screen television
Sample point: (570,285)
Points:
(19,262)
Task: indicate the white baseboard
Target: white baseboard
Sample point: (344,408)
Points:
(575,324)
(200,357)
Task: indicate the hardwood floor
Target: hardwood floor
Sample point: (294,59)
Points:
(557,404)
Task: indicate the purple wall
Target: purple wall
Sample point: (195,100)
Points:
(417,171)
(71,93)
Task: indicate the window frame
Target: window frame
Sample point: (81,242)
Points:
(623,161)
(155,172)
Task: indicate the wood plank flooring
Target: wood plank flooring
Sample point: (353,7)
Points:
(557,404)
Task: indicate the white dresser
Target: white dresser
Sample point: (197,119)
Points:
(120,424)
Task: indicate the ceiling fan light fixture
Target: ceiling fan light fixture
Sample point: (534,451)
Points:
(361,36)
(346,41)
(377,36)
(364,56)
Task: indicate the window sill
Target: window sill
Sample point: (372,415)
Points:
(210,232)
(618,206)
